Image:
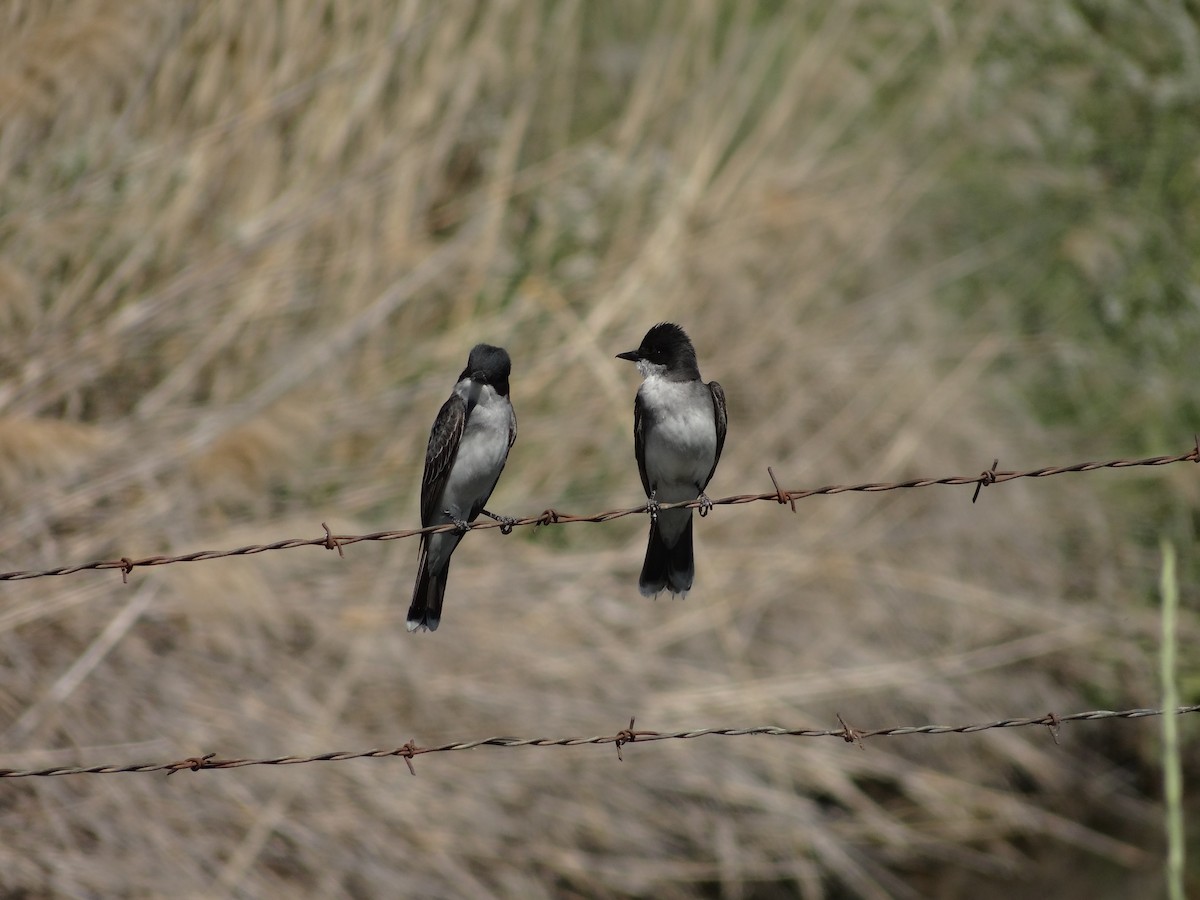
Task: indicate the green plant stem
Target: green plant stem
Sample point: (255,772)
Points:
(1172,777)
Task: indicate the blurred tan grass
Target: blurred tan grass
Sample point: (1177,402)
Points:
(248,248)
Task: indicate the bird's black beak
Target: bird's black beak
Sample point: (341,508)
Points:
(631,355)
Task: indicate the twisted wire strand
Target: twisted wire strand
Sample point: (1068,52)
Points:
(338,542)
(620,739)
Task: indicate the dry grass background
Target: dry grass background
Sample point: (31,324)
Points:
(244,249)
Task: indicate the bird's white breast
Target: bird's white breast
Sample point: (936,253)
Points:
(681,442)
(482,450)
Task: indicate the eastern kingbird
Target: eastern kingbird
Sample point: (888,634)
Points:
(678,432)
(468,447)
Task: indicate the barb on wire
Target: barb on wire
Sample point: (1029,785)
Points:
(338,542)
(622,738)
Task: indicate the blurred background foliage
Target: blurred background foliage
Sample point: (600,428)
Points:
(244,250)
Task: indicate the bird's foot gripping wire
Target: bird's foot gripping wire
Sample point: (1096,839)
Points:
(706,505)
(652,507)
(462,526)
(506,522)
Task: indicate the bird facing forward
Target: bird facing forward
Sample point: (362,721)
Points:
(468,447)
(679,425)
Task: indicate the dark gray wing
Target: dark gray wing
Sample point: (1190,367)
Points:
(640,424)
(721,417)
(439,457)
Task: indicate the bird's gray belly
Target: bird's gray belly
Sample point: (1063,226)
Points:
(481,455)
(679,455)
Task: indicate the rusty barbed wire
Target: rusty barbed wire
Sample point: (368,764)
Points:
(622,738)
(338,542)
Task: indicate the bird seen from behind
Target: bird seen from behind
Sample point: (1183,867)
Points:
(468,446)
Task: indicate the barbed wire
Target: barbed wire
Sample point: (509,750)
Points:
(622,738)
(338,542)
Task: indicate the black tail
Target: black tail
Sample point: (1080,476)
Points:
(425,611)
(668,568)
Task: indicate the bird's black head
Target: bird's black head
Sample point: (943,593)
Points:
(666,350)
(489,365)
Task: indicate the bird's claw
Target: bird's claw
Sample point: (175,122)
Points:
(652,508)
(706,505)
(462,526)
(506,522)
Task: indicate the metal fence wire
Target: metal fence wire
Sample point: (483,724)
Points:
(547,517)
(624,737)
(630,735)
